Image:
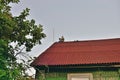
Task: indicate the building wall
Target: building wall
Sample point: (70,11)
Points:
(97,75)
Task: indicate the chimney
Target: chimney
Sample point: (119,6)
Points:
(61,39)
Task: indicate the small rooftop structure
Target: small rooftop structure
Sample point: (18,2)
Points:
(61,39)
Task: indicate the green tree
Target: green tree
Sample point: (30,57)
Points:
(17,35)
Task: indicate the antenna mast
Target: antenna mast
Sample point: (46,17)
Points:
(53,34)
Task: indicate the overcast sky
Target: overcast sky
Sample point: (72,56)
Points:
(73,19)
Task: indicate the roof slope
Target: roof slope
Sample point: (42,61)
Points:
(81,52)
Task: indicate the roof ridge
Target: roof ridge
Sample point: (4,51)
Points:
(91,40)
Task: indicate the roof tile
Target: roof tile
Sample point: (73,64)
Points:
(81,52)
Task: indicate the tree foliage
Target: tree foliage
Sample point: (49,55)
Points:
(16,34)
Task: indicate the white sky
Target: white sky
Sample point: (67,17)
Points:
(74,19)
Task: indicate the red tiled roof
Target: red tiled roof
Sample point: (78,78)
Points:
(81,52)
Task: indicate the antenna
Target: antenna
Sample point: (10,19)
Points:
(53,34)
